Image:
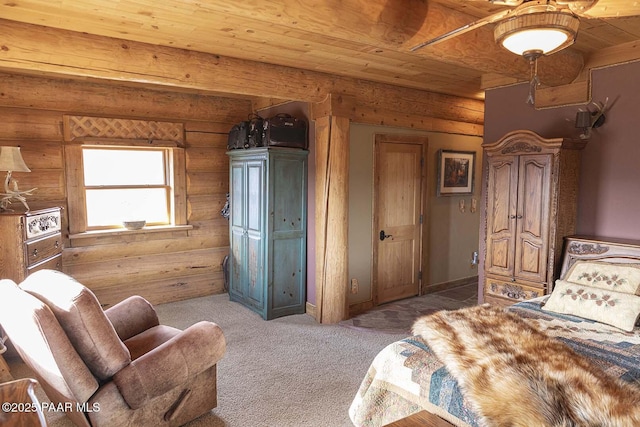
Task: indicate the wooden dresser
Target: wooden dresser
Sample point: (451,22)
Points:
(532,190)
(31,241)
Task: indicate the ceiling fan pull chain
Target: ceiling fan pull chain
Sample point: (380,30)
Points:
(535,81)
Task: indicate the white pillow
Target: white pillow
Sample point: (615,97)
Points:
(615,277)
(613,308)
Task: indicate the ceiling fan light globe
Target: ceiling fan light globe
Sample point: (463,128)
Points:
(544,39)
(548,32)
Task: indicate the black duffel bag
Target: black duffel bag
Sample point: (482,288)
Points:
(239,136)
(284,130)
(247,134)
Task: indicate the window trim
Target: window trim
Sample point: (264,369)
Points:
(77,215)
(166,187)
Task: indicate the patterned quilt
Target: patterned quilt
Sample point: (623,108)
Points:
(406,377)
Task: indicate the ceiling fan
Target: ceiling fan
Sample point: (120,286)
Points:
(533,28)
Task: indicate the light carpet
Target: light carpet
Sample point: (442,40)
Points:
(286,372)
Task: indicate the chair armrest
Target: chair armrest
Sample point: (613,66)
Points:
(132,316)
(171,364)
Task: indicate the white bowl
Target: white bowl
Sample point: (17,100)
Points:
(134,225)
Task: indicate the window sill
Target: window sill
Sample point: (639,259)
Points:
(97,237)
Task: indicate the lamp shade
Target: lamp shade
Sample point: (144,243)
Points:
(11,160)
(546,32)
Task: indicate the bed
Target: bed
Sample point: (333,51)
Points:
(406,377)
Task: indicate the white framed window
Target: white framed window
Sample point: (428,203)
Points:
(127,184)
(108,183)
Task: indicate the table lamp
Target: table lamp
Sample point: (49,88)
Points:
(11,161)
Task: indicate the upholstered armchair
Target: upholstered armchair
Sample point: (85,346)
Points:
(114,367)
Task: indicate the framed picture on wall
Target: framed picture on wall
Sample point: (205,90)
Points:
(456,170)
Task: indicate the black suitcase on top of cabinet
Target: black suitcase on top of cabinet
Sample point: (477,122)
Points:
(284,130)
(238,136)
(246,134)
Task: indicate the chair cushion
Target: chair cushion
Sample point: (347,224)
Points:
(82,318)
(44,346)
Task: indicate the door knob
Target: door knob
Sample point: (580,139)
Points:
(384,236)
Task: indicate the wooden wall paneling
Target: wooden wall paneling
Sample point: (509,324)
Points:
(220,128)
(40,154)
(48,184)
(201,183)
(205,207)
(96,98)
(44,158)
(413,119)
(208,139)
(110,253)
(207,159)
(209,227)
(146,267)
(165,290)
(332,186)
(30,124)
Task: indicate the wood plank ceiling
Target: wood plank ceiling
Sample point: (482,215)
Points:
(363,39)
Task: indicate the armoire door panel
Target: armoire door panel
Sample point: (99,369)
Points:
(534,182)
(288,186)
(532,255)
(501,255)
(255,192)
(502,205)
(236,268)
(285,286)
(254,262)
(503,172)
(237,195)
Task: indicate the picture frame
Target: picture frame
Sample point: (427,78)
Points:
(456,171)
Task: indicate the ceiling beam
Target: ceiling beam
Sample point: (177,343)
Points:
(46,51)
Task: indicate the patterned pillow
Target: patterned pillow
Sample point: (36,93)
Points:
(613,308)
(615,277)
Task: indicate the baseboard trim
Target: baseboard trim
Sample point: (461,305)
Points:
(360,307)
(429,289)
(311,310)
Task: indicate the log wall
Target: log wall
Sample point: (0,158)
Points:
(162,267)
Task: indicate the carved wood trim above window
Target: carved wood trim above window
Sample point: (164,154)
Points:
(118,131)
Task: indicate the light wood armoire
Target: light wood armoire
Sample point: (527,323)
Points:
(268,230)
(531,205)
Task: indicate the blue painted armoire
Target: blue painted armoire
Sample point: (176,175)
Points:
(268,230)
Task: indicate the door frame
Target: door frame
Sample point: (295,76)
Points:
(424,186)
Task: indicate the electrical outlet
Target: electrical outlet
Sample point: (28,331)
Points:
(354,286)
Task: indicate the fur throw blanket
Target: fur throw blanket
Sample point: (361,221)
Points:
(514,375)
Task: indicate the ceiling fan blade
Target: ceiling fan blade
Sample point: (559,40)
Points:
(507,2)
(602,8)
(466,28)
